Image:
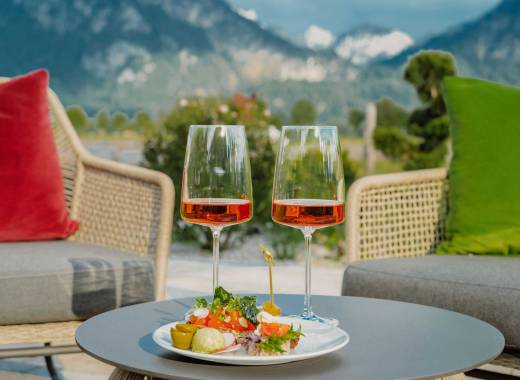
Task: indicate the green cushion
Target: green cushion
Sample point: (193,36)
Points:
(484,174)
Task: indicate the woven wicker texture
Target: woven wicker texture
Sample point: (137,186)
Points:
(507,364)
(459,376)
(68,159)
(119,206)
(39,332)
(400,215)
(119,374)
(118,212)
(509,360)
(395,218)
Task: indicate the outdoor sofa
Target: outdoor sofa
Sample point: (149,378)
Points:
(394,224)
(118,257)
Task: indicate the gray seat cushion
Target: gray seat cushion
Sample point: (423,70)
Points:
(487,288)
(63,281)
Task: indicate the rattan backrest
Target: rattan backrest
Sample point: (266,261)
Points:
(68,159)
(396,215)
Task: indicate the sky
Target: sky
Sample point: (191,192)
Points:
(419,18)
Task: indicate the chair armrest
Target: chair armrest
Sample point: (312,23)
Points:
(396,215)
(119,206)
(127,208)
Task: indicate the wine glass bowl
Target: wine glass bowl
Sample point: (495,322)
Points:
(315,213)
(309,188)
(216,182)
(214,212)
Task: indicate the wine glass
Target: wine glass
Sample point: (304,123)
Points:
(216,181)
(309,189)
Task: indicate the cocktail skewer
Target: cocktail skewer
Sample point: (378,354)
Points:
(270,306)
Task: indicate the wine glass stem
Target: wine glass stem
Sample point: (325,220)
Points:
(216,253)
(307,309)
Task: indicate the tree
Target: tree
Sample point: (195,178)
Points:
(78,118)
(422,142)
(143,124)
(303,113)
(425,71)
(102,120)
(119,122)
(390,135)
(356,117)
(391,114)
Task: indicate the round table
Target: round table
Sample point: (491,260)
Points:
(388,340)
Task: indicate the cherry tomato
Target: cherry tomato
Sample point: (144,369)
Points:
(199,321)
(250,326)
(240,327)
(219,311)
(274,329)
(217,323)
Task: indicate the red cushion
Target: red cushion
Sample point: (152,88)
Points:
(32,202)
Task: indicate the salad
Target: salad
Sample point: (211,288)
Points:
(230,323)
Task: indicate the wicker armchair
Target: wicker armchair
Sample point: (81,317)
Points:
(120,206)
(403,215)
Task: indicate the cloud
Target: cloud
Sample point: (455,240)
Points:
(250,14)
(316,37)
(362,48)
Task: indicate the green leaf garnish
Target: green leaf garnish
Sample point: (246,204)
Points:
(200,302)
(248,308)
(246,305)
(293,334)
(223,295)
(273,344)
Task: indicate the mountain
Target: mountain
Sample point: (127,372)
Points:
(146,54)
(488,47)
(368,43)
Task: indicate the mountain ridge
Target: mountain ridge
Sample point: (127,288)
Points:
(487,47)
(147,54)
(103,51)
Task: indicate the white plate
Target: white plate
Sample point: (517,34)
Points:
(319,339)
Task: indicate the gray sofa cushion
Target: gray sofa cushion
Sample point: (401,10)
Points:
(62,281)
(487,288)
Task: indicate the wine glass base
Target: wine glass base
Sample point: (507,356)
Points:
(332,322)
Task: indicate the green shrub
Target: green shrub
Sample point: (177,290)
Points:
(79,118)
(303,113)
(420,142)
(356,118)
(165,148)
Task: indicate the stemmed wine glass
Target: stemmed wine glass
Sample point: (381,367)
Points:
(309,189)
(216,181)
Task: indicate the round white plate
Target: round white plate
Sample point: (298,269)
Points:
(319,339)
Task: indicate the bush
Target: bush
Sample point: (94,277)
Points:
(420,142)
(303,113)
(356,118)
(79,118)
(165,148)
(142,124)
(390,114)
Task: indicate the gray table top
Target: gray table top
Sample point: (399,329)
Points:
(388,340)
